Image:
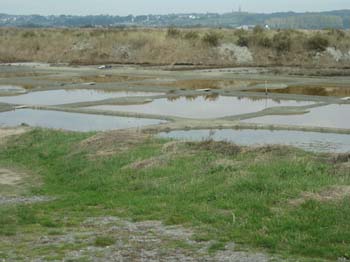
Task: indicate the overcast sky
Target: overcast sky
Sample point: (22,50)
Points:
(136,7)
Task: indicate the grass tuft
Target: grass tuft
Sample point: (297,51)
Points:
(104,241)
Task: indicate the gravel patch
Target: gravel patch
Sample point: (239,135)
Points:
(23,200)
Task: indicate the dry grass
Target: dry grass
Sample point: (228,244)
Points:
(156,46)
(335,193)
(9,177)
(6,133)
(114,142)
(149,163)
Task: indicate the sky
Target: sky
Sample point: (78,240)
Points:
(137,7)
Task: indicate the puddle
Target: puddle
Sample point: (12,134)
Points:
(10,89)
(56,97)
(310,141)
(202,107)
(333,116)
(71,121)
(311,91)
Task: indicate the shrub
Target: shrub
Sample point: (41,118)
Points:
(28,34)
(173,32)
(282,41)
(243,40)
(258,29)
(191,35)
(211,39)
(338,33)
(318,43)
(264,41)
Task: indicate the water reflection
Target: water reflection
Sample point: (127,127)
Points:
(310,90)
(210,84)
(70,121)
(334,116)
(55,97)
(321,142)
(209,97)
(9,89)
(202,106)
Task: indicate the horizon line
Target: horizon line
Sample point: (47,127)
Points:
(179,13)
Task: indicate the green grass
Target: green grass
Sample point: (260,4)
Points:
(104,241)
(246,202)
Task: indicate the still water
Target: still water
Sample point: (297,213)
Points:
(334,116)
(71,121)
(203,107)
(56,97)
(311,141)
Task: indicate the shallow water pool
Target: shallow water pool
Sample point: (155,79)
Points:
(203,107)
(57,97)
(311,141)
(333,116)
(71,121)
(11,89)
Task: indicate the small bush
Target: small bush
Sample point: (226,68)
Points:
(318,43)
(282,41)
(243,40)
(28,34)
(338,33)
(173,32)
(264,41)
(191,35)
(258,29)
(212,39)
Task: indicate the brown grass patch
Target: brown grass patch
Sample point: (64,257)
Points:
(335,193)
(220,147)
(149,163)
(9,177)
(6,133)
(227,163)
(173,147)
(340,158)
(113,142)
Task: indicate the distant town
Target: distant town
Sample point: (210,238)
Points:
(235,19)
